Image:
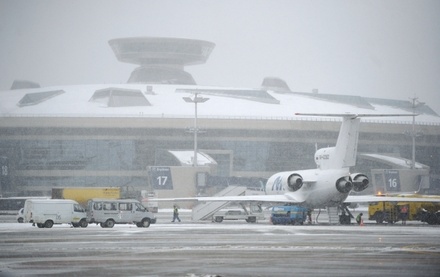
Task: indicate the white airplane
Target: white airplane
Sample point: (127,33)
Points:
(327,185)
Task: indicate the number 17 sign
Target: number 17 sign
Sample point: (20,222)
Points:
(160,177)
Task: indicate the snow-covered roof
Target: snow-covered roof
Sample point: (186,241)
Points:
(166,101)
(187,157)
(396,162)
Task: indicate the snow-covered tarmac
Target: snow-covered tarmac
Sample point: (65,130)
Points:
(226,249)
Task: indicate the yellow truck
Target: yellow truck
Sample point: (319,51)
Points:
(84,194)
(390,212)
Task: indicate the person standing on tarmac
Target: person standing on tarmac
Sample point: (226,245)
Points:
(309,216)
(175,213)
(359,218)
(404,214)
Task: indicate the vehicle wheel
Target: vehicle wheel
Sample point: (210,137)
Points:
(145,223)
(218,219)
(48,224)
(102,225)
(379,218)
(109,223)
(20,220)
(83,223)
(251,219)
(431,219)
(75,225)
(40,225)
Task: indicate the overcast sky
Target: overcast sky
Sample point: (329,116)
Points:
(387,48)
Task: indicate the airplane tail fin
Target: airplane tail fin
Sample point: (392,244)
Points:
(346,145)
(344,153)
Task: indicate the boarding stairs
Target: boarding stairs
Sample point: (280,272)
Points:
(333,215)
(206,210)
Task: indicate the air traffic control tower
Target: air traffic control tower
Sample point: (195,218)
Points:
(161,60)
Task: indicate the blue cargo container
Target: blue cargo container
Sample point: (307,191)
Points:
(288,215)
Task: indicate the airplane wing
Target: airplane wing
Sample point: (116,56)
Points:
(396,198)
(354,115)
(281,198)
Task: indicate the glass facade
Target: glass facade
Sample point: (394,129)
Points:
(71,154)
(115,155)
(121,157)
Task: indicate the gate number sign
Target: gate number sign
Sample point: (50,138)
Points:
(160,178)
(392,180)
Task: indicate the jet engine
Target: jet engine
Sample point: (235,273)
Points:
(360,181)
(294,182)
(344,185)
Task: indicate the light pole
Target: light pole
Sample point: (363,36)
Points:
(415,104)
(195,100)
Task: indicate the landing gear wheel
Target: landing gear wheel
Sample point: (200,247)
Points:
(344,219)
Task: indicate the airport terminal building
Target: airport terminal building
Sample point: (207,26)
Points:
(161,131)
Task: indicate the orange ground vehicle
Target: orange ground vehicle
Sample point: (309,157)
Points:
(385,211)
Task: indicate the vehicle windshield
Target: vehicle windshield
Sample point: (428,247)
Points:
(78,208)
(140,208)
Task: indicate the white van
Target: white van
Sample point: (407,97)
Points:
(108,212)
(20,216)
(46,213)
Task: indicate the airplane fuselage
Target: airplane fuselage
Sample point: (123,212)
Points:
(319,187)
